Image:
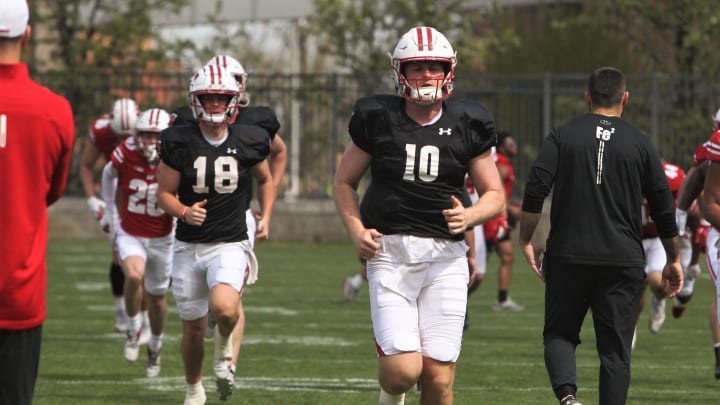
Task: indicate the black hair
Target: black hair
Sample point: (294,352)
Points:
(606,87)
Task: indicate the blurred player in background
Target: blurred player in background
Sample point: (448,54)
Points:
(655,258)
(203,181)
(143,234)
(497,230)
(692,226)
(105,134)
(710,206)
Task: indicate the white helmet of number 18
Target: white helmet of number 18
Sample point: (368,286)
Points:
(214,80)
(423,44)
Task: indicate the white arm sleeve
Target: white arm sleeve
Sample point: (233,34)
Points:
(109,185)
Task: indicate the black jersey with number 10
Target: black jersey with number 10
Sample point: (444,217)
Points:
(415,169)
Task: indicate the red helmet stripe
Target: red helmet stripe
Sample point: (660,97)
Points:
(429,38)
(124,118)
(419,32)
(154,116)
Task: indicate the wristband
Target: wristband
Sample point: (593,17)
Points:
(184,213)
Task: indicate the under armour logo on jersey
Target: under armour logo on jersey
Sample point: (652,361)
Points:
(445,131)
(231,151)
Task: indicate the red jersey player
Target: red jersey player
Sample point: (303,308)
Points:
(655,258)
(143,235)
(105,134)
(497,230)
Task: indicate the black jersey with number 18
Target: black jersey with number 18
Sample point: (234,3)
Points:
(217,173)
(415,169)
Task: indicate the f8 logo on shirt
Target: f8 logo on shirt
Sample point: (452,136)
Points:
(604,134)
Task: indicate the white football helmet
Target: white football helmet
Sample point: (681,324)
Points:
(237,70)
(211,79)
(152,122)
(124,116)
(423,44)
(716,119)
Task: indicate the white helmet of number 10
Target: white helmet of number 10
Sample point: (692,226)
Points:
(423,44)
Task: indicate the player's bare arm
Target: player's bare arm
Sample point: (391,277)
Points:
(89,157)
(711,195)
(485,178)
(266,197)
(352,167)
(168,184)
(278,160)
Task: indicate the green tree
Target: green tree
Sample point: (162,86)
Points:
(359,34)
(94,51)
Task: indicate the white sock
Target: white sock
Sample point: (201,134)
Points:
(119,304)
(155,343)
(223,345)
(389,399)
(356,281)
(134,323)
(195,389)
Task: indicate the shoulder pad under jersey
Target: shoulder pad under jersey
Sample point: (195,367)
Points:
(378,102)
(469,109)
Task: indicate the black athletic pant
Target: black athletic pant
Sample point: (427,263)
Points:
(19,361)
(613,296)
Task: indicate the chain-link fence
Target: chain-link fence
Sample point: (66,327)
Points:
(314,109)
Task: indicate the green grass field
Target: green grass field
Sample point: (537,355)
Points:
(304,345)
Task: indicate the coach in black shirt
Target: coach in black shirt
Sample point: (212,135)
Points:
(600,167)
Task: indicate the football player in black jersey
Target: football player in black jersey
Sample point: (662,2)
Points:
(599,167)
(265,118)
(411,222)
(202,180)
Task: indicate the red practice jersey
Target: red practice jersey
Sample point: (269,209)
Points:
(103,137)
(137,189)
(700,155)
(675,176)
(503,161)
(37,131)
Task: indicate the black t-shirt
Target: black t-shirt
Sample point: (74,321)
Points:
(415,169)
(219,174)
(600,168)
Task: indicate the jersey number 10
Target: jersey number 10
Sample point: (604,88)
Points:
(429,162)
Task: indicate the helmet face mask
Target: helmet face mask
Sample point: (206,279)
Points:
(423,44)
(211,81)
(237,70)
(124,116)
(148,128)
